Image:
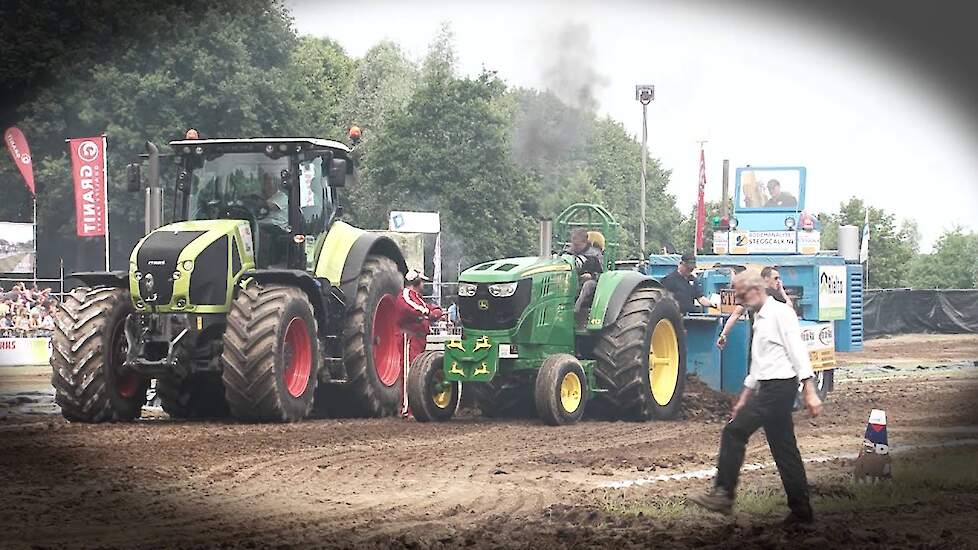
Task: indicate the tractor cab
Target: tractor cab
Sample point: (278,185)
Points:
(768,214)
(285,188)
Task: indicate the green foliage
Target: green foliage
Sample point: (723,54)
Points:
(491,159)
(953,264)
(686,231)
(891,247)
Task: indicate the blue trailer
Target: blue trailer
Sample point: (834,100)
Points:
(769,227)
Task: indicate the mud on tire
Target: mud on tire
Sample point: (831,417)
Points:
(365,394)
(622,354)
(269,371)
(88,348)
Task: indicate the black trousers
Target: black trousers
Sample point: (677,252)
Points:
(770,407)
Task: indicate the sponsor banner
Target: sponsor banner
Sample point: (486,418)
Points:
(415,222)
(720,242)
(88,172)
(15,352)
(17,247)
(831,292)
(17,145)
(809,242)
(771,241)
(819,338)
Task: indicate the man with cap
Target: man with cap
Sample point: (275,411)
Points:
(683,286)
(414,315)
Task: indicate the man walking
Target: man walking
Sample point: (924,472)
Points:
(779,360)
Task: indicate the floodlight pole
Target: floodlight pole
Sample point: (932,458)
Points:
(644,94)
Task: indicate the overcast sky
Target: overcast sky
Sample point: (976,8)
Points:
(762,88)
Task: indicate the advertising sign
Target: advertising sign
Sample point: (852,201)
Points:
(15,352)
(820,340)
(88,172)
(415,222)
(759,242)
(809,242)
(17,249)
(21,153)
(831,292)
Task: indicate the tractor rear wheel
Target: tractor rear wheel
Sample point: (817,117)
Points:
(432,399)
(196,396)
(88,349)
(641,359)
(503,397)
(271,354)
(372,346)
(561,390)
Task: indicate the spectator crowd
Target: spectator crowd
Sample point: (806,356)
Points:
(26,312)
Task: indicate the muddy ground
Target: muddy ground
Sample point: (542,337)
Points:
(482,483)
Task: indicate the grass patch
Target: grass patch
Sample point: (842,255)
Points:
(915,479)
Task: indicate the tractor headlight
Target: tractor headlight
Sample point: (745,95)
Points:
(789,223)
(466,289)
(503,290)
(188,265)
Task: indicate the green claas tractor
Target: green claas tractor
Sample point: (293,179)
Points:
(521,345)
(259,303)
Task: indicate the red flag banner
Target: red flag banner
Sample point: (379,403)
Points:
(17,145)
(88,171)
(700,205)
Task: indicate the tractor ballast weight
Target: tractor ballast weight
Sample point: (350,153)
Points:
(260,302)
(523,347)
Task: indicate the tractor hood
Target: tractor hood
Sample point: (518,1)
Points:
(512,269)
(190,266)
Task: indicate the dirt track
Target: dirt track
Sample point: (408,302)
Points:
(470,482)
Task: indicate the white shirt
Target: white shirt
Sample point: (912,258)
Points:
(777,351)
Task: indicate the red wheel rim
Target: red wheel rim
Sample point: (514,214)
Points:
(298,357)
(126,383)
(387,345)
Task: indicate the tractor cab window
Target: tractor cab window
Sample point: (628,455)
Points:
(241,186)
(770,189)
(315,202)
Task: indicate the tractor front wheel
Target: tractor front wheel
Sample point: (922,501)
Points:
(88,349)
(432,398)
(271,354)
(561,390)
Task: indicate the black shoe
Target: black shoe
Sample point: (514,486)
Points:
(796,522)
(715,500)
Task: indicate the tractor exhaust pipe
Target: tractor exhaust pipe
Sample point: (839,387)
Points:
(546,238)
(154,193)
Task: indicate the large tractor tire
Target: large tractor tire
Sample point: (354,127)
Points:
(560,392)
(89,346)
(503,397)
(271,354)
(196,396)
(641,359)
(432,399)
(372,347)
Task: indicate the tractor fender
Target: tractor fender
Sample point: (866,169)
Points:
(293,277)
(613,290)
(343,252)
(110,279)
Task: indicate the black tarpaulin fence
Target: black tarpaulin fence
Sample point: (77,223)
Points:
(900,311)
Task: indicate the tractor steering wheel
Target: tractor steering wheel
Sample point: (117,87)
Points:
(256,204)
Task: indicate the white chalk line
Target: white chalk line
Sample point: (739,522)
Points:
(710,472)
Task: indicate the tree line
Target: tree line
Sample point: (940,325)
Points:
(491,157)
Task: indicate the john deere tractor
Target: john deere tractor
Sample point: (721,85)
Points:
(522,348)
(259,303)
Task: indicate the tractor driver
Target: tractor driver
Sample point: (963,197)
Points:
(590,263)
(275,224)
(779,197)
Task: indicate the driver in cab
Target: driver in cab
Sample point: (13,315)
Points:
(277,203)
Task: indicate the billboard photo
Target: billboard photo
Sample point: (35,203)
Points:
(17,249)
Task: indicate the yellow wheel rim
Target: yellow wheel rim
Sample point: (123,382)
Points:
(570,392)
(441,394)
(663,362)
